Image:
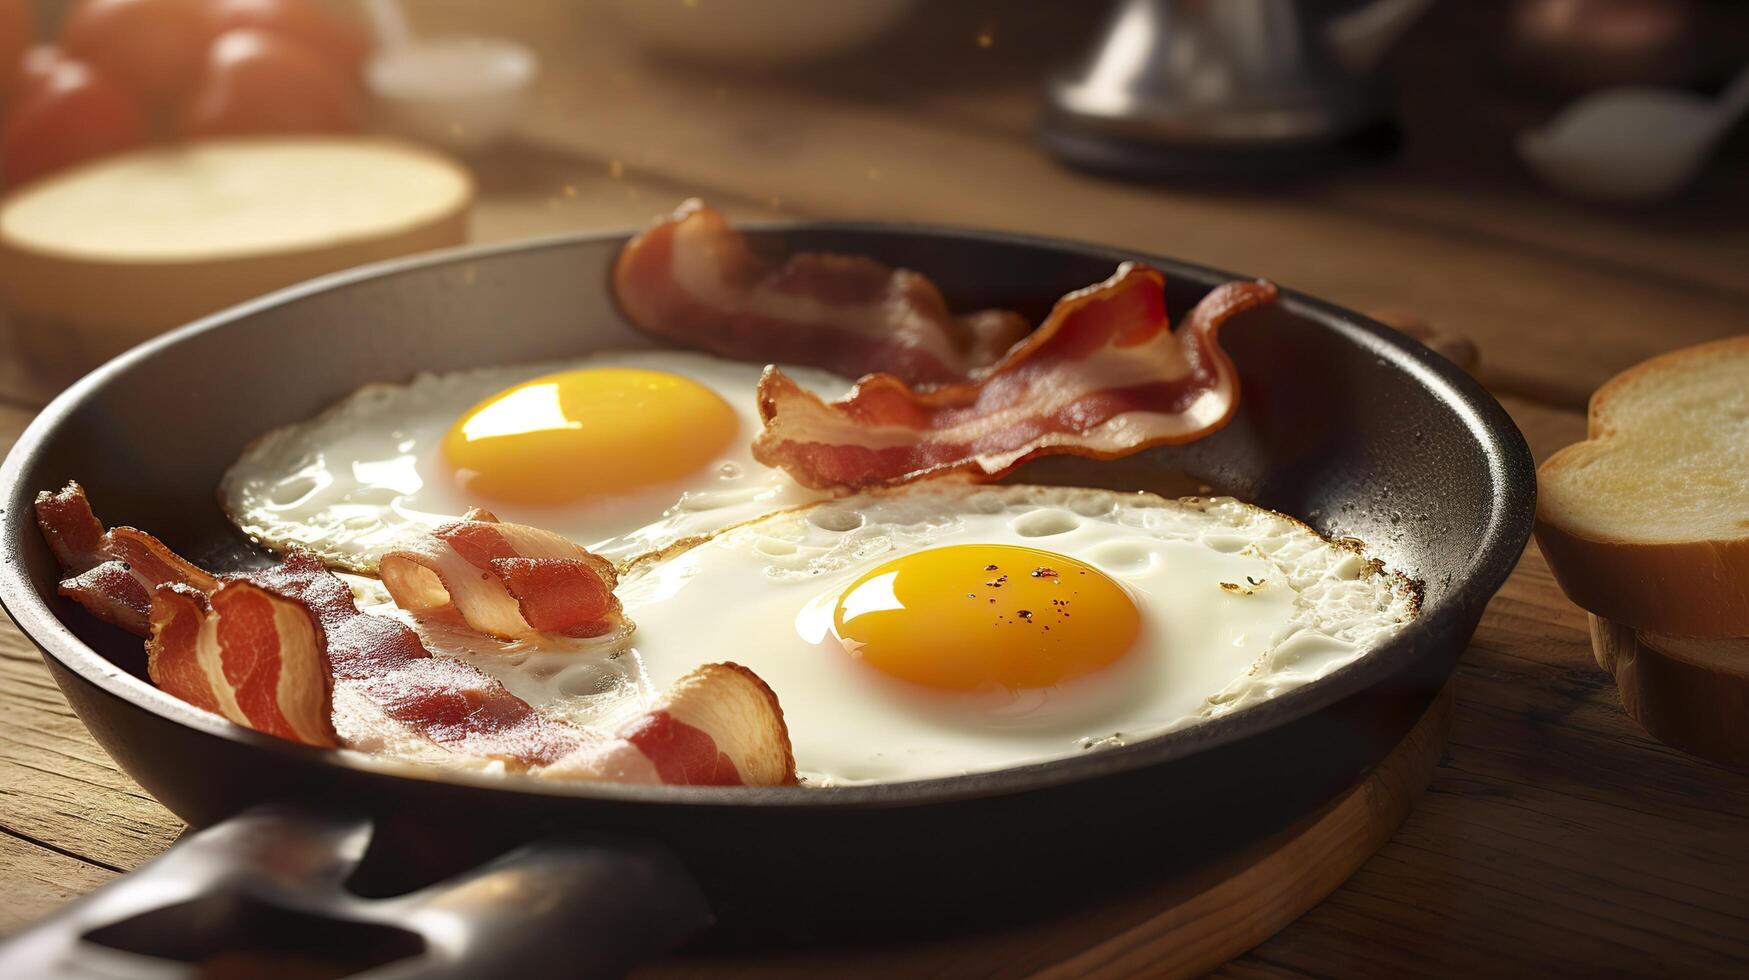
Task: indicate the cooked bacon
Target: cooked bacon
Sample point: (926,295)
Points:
(1104,376)
(506,580)
(173,655)
(717,726)
(111,573)
(693,279)
(265,649)
(112,593)
(452,703)
(243,652)
(226,647)
(73,532)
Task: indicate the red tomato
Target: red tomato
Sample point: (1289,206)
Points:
(153,47)
(74,114)
(256,82)
(304,21)
(17,31)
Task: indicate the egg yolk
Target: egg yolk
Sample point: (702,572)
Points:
(968,617)
(587,433)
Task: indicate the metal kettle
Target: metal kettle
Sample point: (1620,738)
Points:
(1198,84)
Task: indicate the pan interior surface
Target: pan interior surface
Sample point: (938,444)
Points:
(1343,425)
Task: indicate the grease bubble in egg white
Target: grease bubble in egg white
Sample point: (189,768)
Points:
(952,630)
(626,452)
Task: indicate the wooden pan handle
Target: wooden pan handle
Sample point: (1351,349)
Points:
(264,895)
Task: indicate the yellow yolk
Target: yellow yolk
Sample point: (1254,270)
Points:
(588,433)
(967,617)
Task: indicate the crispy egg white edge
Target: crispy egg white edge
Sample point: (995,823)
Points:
(1285,666)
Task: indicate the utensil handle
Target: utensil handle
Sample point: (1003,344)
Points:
(268,888)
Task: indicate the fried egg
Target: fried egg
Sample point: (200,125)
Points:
(953,630)
(960,629)
(622,452)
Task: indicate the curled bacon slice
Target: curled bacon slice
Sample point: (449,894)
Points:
(717,726)
(266,648)
(693,279)
(173,656)
(506,580)
(243,652)
(452,703)
(111,573)
(1104,376)
(228,647)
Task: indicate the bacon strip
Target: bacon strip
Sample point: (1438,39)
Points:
(173,650)
(506,580)
(693,279)
(1104,376)
(245,653)
(111,573)
(227,647)
(266,648)
(717,726)
(452,703)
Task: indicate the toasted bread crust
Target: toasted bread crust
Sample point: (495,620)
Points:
(1699,707)
(1695,588)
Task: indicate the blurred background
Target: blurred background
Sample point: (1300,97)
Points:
(1470,165)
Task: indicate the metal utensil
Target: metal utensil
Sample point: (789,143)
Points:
(1176,85)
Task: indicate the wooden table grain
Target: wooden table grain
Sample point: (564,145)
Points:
(1555,838)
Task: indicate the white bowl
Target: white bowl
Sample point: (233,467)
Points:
(462,92)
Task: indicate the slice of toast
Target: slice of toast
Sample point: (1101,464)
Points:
(1646,523)
(1688,692)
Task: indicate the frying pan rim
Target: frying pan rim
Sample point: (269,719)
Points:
(1511,473)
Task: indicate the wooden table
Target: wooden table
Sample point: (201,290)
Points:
(1555,837)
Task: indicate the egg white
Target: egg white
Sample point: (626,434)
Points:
(1237,603)
(352,481)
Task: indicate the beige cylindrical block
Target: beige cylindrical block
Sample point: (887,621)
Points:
(112,253)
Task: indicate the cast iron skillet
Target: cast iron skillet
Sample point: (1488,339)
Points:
(1342,423)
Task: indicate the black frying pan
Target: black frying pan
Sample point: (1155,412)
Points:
(1342,423)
